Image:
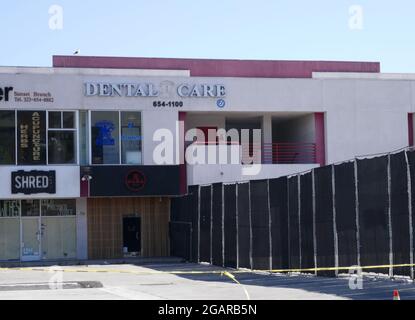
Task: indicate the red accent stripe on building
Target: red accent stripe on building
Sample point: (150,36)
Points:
(411,129)
(320,138)
(84,189)
(219,67)
(183,166)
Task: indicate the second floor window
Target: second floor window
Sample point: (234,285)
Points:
(116,137)
(38,137)
(62,137)
(7,138)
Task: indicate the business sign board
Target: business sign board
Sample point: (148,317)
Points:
(31,137)
(182,90)
(121,181)
(33,182)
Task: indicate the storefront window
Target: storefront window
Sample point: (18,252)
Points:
(106,142)
(31,137)
(55,120)
(7,137)
(59,223)
(54,208)
(30,208)
(38,229)
(61,147)
(34,137)
(9,208)
(105,136)
(131,137)
(9,230)
(62,138)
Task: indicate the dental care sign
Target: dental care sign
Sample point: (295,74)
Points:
(32,182)
(165,89)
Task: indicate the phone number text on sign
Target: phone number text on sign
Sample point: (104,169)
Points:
(169,104)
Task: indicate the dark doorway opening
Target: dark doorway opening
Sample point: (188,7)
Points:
(132,235)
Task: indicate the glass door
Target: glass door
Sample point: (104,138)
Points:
(31,231)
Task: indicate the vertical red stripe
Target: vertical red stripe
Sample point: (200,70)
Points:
(84,189)
(411,129)
(320,138)
(183,167)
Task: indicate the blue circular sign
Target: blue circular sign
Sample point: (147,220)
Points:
(221,103)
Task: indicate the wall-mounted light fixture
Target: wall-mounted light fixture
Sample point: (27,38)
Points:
(86,178)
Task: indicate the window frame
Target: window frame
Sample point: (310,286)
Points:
(75,130)
(19,210)
(39,200)
(119,137)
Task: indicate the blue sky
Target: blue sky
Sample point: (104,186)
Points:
(262,29)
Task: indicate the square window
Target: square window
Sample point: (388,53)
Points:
(55,120)
(62,147)
(69,120)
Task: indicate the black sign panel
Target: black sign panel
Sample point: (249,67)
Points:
(31,137)
(31,182)
(115,181)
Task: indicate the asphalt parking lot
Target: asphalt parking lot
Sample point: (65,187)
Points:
(191,282)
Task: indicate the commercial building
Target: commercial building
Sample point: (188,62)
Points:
(93,148)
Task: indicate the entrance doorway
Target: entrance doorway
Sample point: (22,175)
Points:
(47,229)
(132,235)
(31,231)
(31,236)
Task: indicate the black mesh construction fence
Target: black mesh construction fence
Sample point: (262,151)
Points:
(217,225)
(279,222)
(400,212)
(372,175)
(193,206)
(230,228)
(360,212)
(261,257)
(411,197)
(180,228)
(306,221)
(324,220)
(244,226)
(205,223)
(293,224)
(345,204)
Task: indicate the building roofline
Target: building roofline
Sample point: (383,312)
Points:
(220,67)
(95,71)
(362,75)
(214,59)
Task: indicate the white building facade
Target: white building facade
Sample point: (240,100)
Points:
(80,142)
